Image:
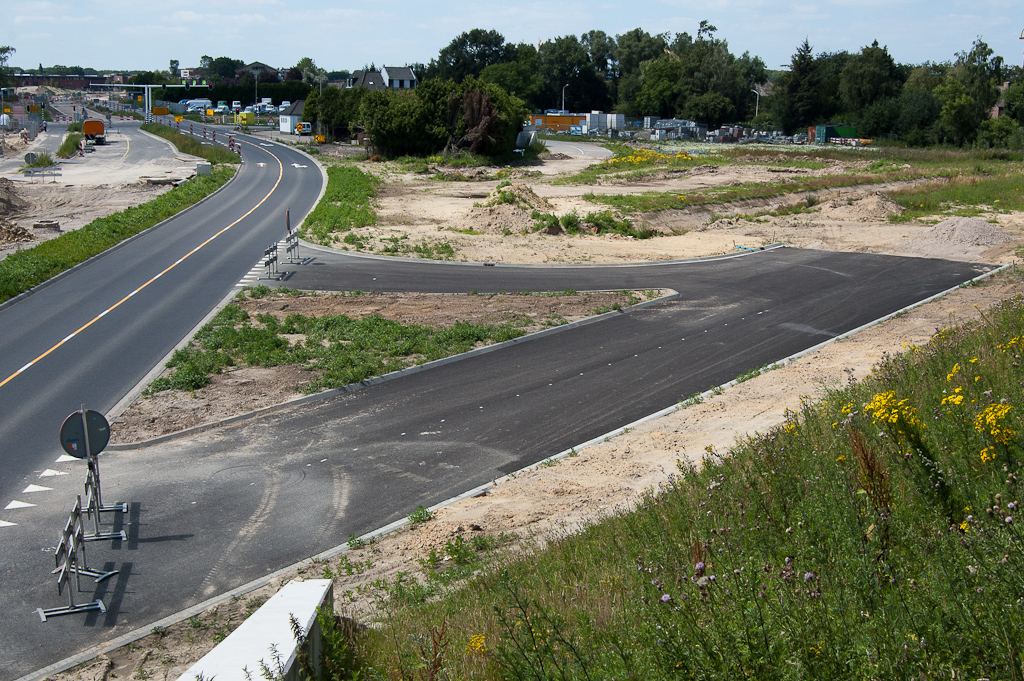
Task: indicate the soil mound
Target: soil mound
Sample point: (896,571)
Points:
(968,232)
(10,202)
(507,210)
(871,208)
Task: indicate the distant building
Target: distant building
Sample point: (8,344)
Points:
(258,68)
(291,117)
(388,78)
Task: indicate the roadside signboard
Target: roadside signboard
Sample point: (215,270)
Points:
(160,110)
(30,158)
(80,425)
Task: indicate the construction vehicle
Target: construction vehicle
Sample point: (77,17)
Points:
(94,131)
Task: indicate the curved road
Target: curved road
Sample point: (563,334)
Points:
(89,336)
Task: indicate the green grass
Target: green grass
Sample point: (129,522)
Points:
(337,351)
(187,144)
(43,160)
(961,196)
(22,270)
(69,145)
(345,204)
(875,534)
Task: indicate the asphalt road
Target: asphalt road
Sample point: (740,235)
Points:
(88,338)
(217,510)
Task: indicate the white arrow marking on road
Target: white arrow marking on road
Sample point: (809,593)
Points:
(64,458)
(4,523)
(35,488)
(264,144)
(296,165)
(262,165)
(49,473)
(17,504)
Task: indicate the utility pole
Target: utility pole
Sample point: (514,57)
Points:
(563,96)
(757,103)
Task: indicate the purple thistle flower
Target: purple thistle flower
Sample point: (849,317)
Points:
(665,598)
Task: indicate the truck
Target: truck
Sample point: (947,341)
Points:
(94,131)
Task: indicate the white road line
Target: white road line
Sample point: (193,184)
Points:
(66,458)
(36,488)
(4,523)
(49,473)
(17,504)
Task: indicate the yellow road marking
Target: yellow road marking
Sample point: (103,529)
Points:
(280,174)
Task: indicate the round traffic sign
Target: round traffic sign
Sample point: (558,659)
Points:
(30,158)
(75,428)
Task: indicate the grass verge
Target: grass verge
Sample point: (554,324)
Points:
(69,145)
(874,534)
(22,270)
(345,204)
(190,145)
(336,350)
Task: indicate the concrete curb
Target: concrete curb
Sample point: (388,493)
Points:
(658,263)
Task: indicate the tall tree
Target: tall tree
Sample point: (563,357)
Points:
(174,69)
(565,65)
(797,100)
(980,72)
(5,54)
(469,54)
(868,77)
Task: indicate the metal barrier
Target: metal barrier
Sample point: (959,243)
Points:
(69,557)
(270,263)
(94,504)
(53,172)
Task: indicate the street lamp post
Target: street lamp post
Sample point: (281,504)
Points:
(563,96)
(757,103)
(256,95)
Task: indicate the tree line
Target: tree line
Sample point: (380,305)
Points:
(698,77)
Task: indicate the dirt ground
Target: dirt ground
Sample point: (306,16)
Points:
(549,501)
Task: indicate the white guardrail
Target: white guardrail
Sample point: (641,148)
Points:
(266,638)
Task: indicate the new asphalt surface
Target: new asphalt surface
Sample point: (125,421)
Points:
(213,511)
(88,337)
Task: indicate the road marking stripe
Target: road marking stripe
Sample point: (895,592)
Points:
(49,473)
(65,458)
(4,523)
(280,175)
(36,488)
(17,504)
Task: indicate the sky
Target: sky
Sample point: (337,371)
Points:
(147,34)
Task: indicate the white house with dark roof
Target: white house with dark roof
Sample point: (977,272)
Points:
(291,117)
(388,78)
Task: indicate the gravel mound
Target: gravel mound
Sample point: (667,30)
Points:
(968,232)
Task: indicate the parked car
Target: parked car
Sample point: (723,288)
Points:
(222,109)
